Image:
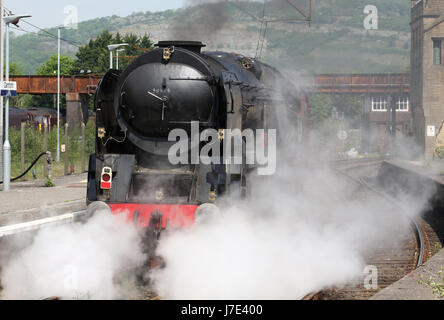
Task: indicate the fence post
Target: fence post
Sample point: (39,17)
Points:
(66,150)
(45,149)
(22,147)
(83,147)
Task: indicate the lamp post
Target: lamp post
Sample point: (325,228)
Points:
(14,19)
(113,47)
(2,64)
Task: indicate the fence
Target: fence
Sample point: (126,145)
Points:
(30,141)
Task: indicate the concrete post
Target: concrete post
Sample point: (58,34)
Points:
(83,147)
(66,149)
(45,149)
(365,127)
(49,165)
(393,109)
(76,109)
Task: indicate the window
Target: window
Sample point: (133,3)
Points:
(402,104)
(437,52)
(379,104)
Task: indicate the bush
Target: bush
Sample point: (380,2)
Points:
(49,183)
(440,152)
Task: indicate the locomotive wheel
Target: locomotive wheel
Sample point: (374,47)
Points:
(96,207)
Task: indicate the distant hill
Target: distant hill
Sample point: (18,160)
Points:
(336,43)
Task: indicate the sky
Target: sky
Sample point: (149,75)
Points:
(50,13)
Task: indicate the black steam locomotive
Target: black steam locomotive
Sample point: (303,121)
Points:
(173,87)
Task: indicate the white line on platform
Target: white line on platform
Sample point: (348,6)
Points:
(37,224)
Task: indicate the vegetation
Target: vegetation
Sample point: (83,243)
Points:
(346,107)
(49,68)
(337,41)
(94,56)
(34,146)
(15,69)
(437,247)
(82,296)
(437,285)
(48,182)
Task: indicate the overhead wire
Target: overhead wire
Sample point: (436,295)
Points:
(29,32)
(260,30)
(74,43)
(49,34)
(264,23)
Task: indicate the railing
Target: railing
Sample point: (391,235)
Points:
(323,83)
(48,84)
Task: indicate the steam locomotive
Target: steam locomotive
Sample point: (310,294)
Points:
(173,87)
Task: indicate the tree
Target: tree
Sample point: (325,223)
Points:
(351,106)
(16,69)
(94,56)
(49,68)
(321,106)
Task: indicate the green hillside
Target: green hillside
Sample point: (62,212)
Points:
(336,43)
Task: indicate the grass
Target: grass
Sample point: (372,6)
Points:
(34,147)
(48,182)
(437,247)
(437,285)
(58,169)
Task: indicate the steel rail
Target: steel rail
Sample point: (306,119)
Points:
(417,229)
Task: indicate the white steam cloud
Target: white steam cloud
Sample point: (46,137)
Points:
(302,232)
(76,261)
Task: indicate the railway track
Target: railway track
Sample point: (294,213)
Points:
(393,261)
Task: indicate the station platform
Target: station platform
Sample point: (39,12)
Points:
(433,170)
(411,288)
(31,200)
(418,178)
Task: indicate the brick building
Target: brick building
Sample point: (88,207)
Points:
(378,120)
(427,73)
